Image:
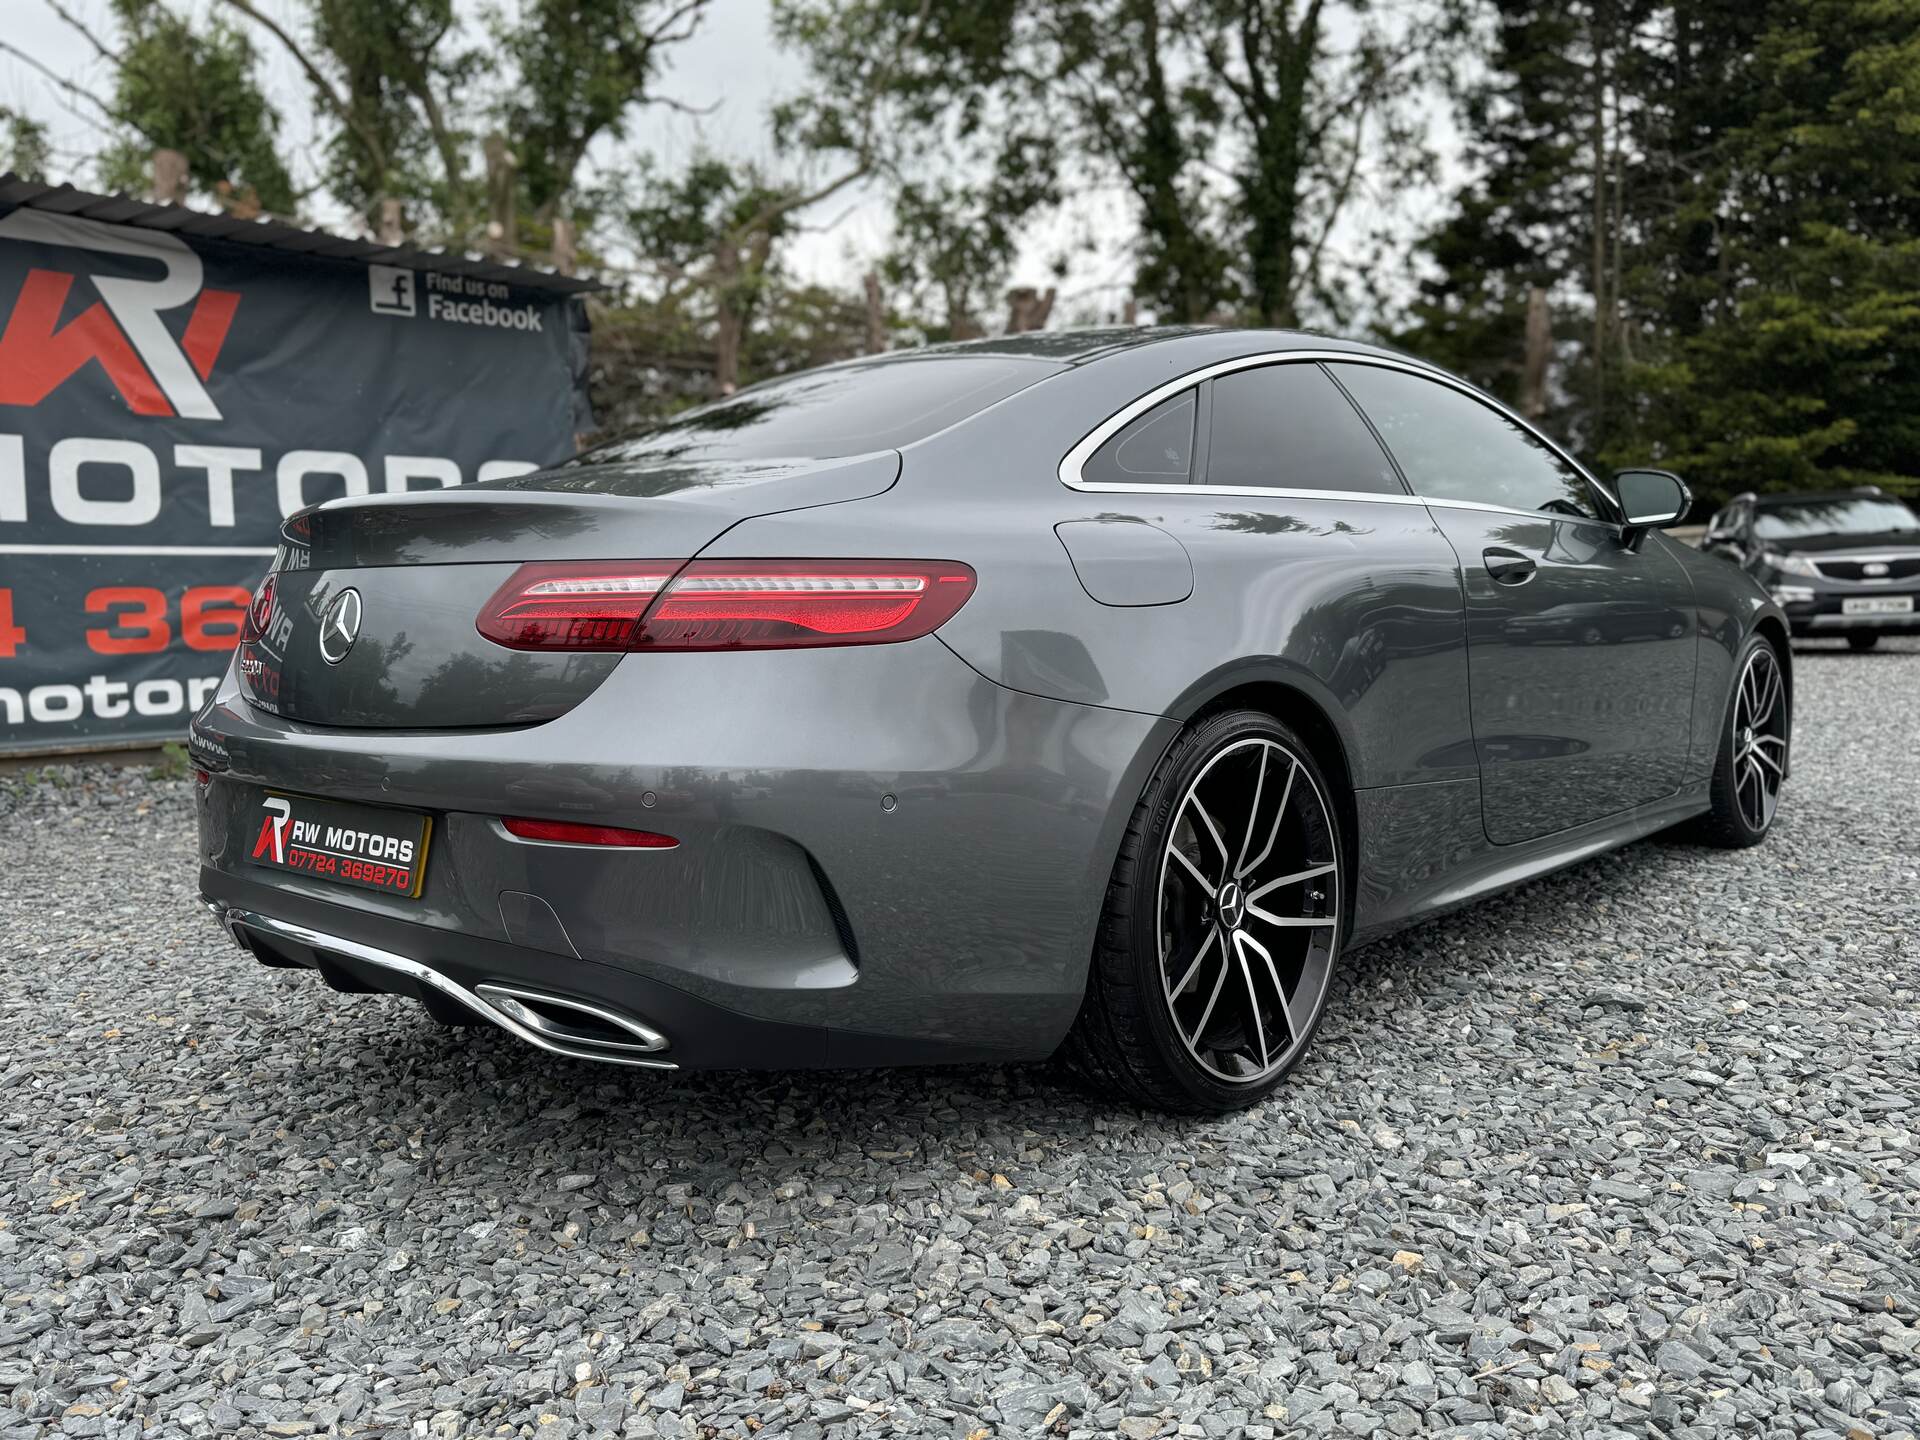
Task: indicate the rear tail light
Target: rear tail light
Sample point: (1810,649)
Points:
(724,604)
(780,604)
(574,607)
(565,832)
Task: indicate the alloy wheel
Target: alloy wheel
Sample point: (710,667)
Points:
(1249,911)
(1759,738)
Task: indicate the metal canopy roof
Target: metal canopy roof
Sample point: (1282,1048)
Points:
(274,235)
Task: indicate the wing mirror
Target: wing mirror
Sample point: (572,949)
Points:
(1650,500)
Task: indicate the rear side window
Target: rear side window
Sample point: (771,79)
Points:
(1288,426)
(1452,447)
(840,410)
(1152,449)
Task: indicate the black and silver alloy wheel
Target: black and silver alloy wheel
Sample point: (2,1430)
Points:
(1249,905)
(1222,923)
(1760,738)
(1752,764)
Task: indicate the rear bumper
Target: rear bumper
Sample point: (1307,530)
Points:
(667,1028)
(883,858)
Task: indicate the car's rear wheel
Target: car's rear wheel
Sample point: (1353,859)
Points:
(1752,763)
(1862,642)
(1223,920)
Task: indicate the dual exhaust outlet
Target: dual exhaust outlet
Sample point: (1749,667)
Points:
(554,1023)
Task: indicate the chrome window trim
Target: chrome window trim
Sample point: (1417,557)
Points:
(1077,457)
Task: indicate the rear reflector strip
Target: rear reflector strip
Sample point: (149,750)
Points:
(724,604)
(566,832)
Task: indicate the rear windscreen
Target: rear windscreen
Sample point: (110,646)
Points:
(841,410)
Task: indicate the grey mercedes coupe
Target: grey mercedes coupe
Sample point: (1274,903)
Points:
(1094,689)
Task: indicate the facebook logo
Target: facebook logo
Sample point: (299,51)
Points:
(389,290)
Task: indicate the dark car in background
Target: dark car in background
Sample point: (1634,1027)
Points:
(1098,688)
(1839,562)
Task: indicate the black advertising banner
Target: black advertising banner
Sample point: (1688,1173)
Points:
(165,404)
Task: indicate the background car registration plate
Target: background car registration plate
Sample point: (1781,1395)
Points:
(359,845)
(1878,605)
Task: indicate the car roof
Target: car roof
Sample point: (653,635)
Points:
(1809,497)
(1079,346)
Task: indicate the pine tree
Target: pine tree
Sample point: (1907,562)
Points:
(1803,370)
(1722,200)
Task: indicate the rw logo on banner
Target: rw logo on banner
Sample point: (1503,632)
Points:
(154,373)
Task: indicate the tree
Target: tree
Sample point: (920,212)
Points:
(1803,369)
(714,230)
(956,238)
(24,147)
(193,89)
(1313,120)
(714,233)
(723,310)
(409,95)
(1720,199)
(584,67)
(1516,229)
(386,70)
(1559,119)
(1239,130)
(1114,63)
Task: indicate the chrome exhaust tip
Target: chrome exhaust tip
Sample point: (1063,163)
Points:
(561,1026)
(578,1023)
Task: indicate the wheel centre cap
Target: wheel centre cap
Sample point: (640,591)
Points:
(1231,902)
(1746,736)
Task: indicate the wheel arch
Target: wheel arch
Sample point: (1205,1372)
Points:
(1107,1040)
(1774,630)
(1299,702)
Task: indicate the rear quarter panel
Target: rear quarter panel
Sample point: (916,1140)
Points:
(1354,603)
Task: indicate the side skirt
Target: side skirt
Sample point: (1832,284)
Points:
(1423,852)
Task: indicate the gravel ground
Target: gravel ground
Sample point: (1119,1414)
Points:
(1630,1151)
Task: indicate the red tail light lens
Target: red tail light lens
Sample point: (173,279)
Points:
(782,604)
(574,607)
(724,604)
(564,832)
(260,611)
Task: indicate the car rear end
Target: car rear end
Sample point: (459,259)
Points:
(569,755)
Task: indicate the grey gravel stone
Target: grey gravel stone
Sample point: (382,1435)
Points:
(1632,1151)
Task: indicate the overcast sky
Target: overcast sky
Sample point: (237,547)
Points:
(730,66)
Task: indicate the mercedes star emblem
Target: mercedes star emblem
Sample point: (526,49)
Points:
(340,627)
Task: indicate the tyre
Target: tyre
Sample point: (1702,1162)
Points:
(1223,920)
(1752,762)
(1862,642)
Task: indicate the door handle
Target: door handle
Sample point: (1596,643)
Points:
(1509,567)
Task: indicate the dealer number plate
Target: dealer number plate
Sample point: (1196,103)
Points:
(1878,605)
(364,846)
